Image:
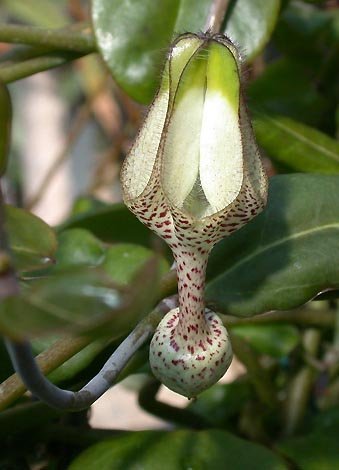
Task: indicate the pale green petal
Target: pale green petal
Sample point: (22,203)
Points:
(221,150)
(181,151)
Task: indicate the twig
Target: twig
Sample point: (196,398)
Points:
(147,401)
(18,71)
(303,317)
(80,120)
(64,39)
(62,350)
(25,365)
(299,391)
(258,375)
(216,15)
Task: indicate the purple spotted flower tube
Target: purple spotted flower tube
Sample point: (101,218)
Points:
(194,176)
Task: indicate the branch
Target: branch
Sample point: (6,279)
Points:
(300,389)
(216,16)
(60,39)
(258,375)
(25,365)
(147,400)
(17,71)
(303,317)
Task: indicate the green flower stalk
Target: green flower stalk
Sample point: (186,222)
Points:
(194,176)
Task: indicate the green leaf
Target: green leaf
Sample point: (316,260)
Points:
(122,261)
(286,88)
(79,247)
(222,402)
(286,255)
(33,242)
(273,340)
(132,38)
(112,224)
(82,301)
(296,146)
(315,451)
(250,24)
(5,126)
(307,33)
(177,450)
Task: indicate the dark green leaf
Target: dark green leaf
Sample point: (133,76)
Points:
(285,87)
(79,247)
(315,451)
(222,402)
(296,146)
(273,340)
(122,261)
(81,300)
(5,126)
(132,38)
(286,255)
(32,241)
(307,33)
(250,23)
(112,224)
(177,450)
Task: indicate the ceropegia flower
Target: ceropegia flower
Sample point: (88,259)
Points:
(193,176)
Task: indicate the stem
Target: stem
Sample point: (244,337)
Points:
(21,53)
(258,375)
(17,71)
(301,386)
(59,39)
(25,365)
(79,122)
(303,317)
(216,15)
(147,401)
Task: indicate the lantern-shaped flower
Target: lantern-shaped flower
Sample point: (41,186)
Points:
(194,176)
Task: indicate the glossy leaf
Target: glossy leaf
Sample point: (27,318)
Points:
(286,255)
(32,241)
(84,301)
(136,58)
(314,451)
(250,23)
(175,450)
(132,38)
(112,224)
(296,146)
(273,340)
(5,126)
(123,261)
(79,247)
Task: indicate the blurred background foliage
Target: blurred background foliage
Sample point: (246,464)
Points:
(71,129)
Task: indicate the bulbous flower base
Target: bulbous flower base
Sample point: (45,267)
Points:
(190,363)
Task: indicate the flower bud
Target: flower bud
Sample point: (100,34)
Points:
(193,176)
